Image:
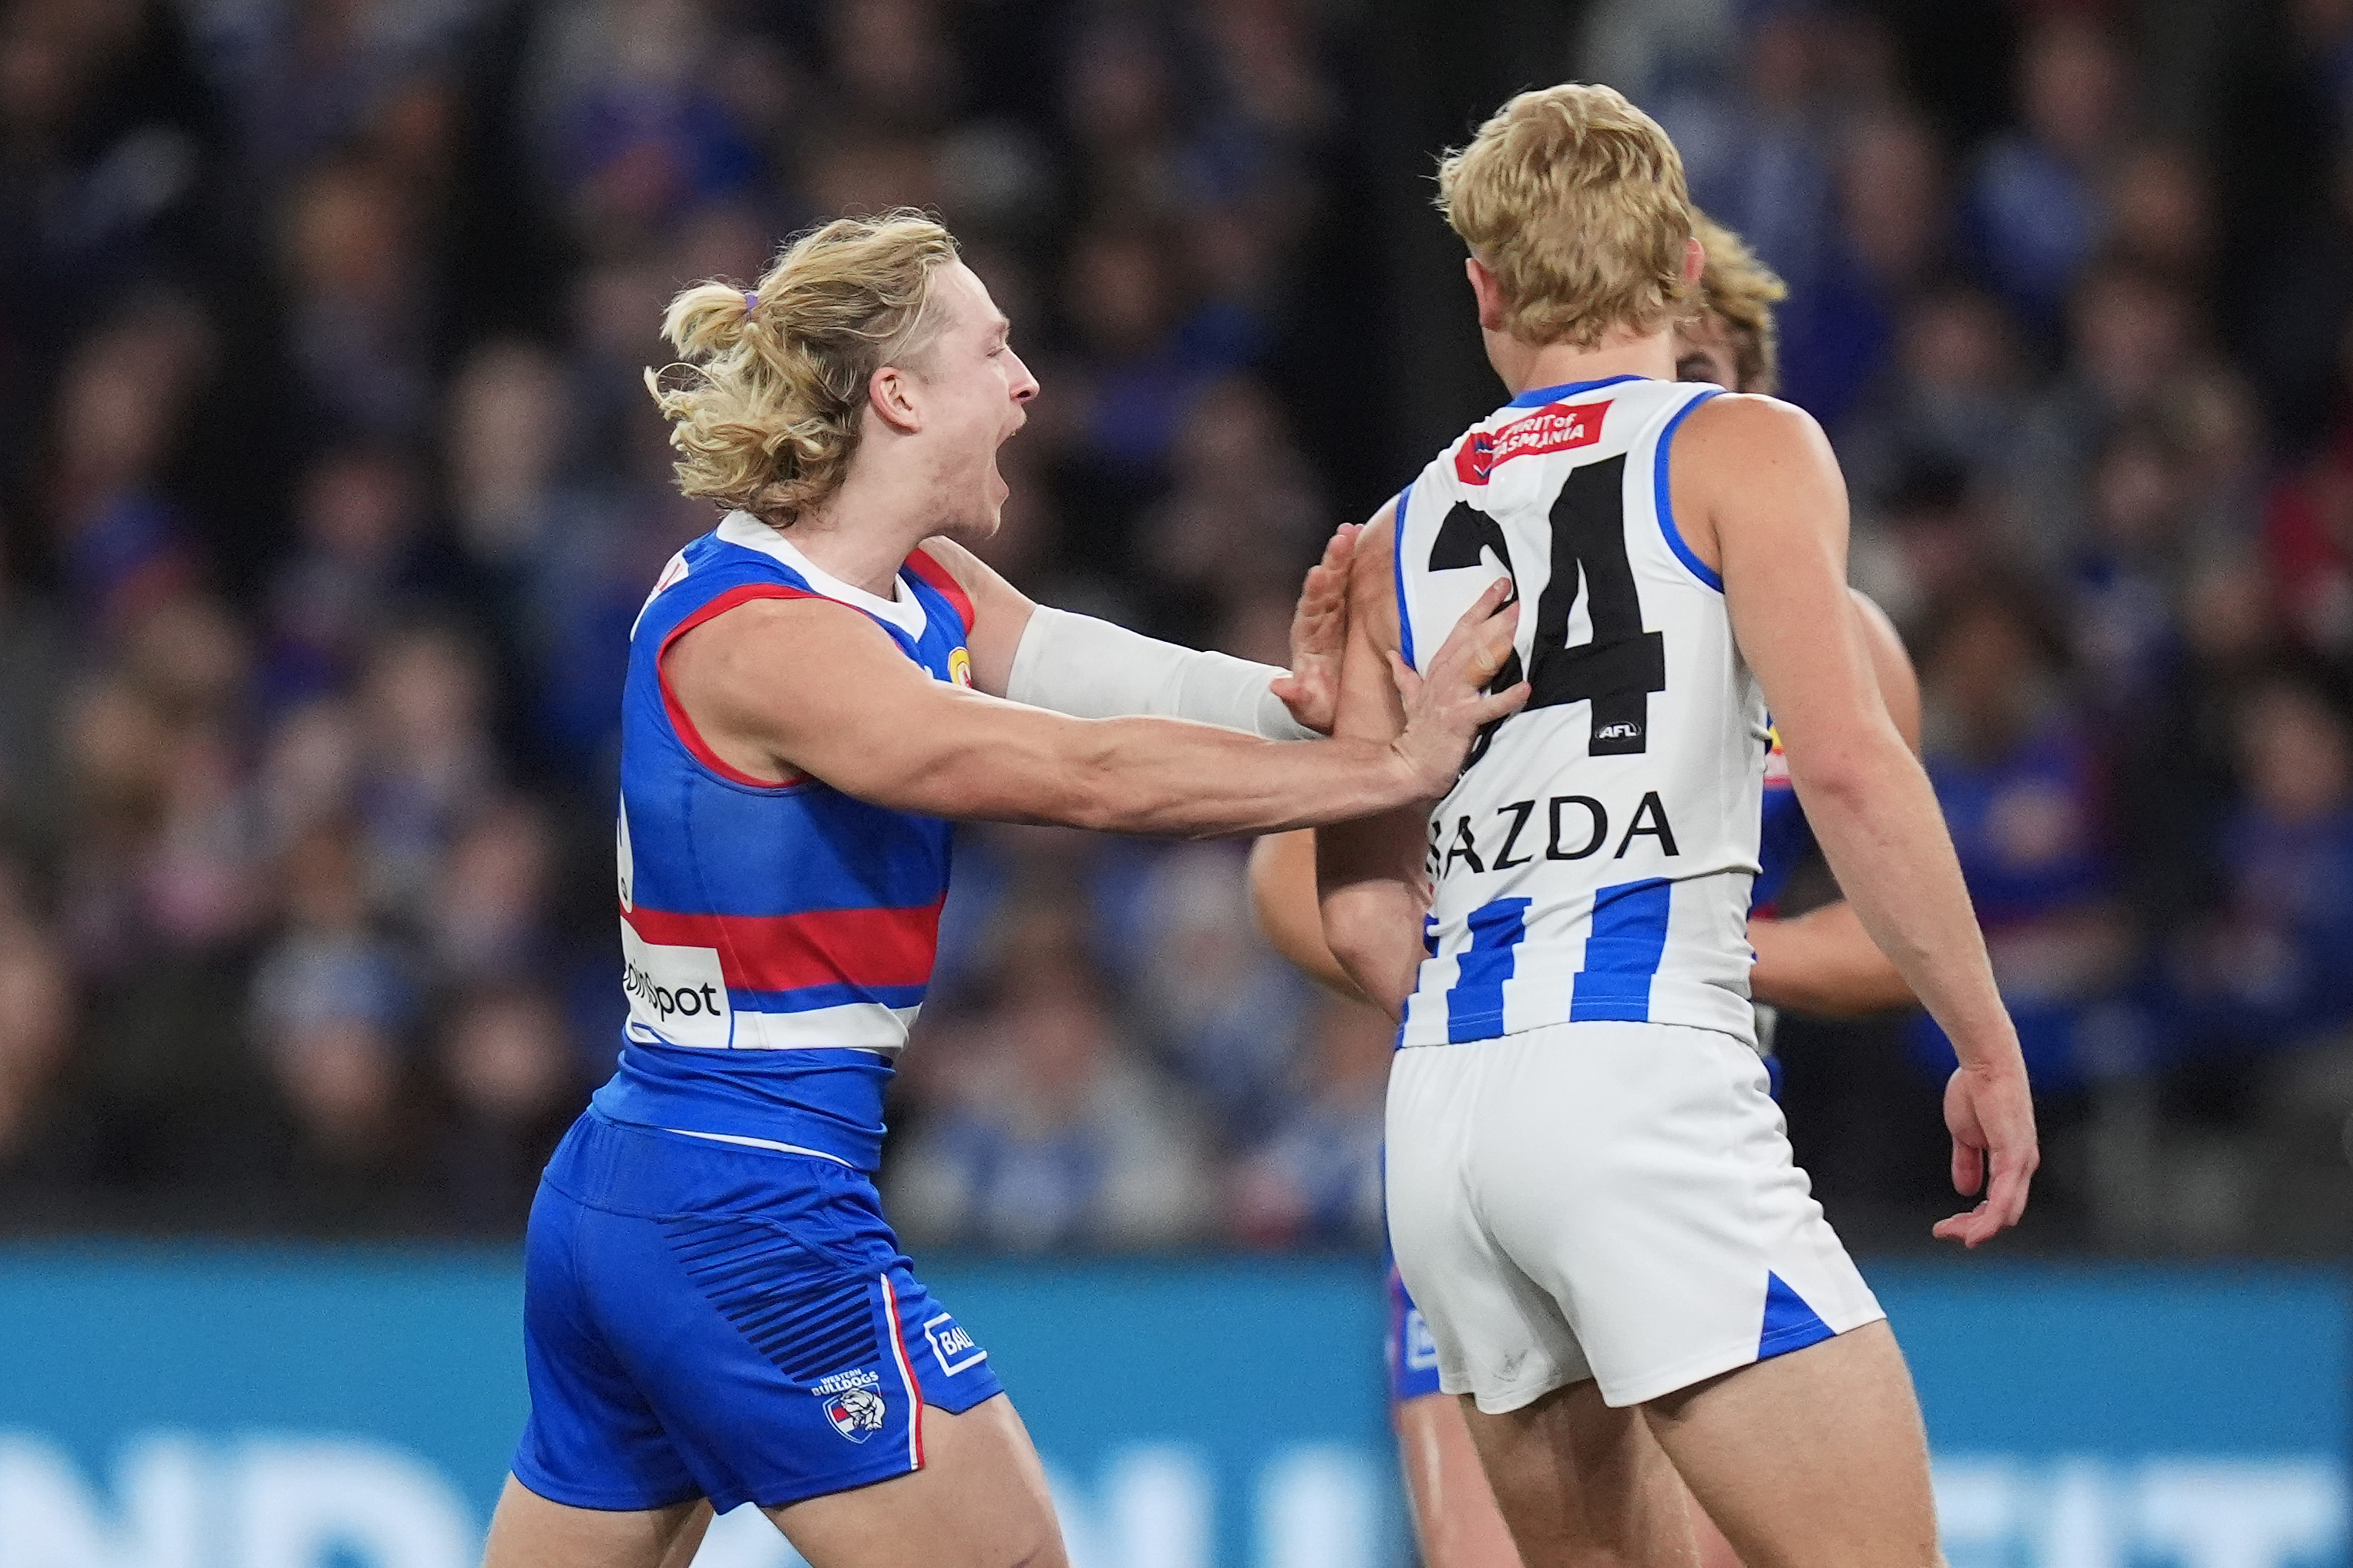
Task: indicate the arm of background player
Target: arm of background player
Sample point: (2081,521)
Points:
(857,713)
(1091,668)
(1368,873)
(1283,897)
(1823,961)
(1776,515)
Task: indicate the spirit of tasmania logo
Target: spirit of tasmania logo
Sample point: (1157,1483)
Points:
(1555,427)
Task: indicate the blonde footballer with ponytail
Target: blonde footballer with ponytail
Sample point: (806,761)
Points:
(766,397)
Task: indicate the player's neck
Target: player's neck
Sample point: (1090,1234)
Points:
(866,529)
(1524,366)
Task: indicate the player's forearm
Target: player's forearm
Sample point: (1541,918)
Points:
(1283,897)
(1192,781)
(1885,840)
(1372,899)
(1824,963)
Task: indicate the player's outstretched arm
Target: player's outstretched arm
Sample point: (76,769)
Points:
(1823,961)
(1760,481)
(780,686)
(1368,872)
(1090,669)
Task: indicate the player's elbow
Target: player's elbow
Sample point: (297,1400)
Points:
(1369,952)
(1841,774)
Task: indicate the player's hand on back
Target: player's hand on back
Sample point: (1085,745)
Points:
(1319,635)
(1448,703)
(1991,1112)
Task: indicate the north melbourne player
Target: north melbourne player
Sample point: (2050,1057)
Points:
(1590,1192)
(1822,961)
(715,1310)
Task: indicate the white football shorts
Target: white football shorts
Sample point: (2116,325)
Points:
(1606,1200)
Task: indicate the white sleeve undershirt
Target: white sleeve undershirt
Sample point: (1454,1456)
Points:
(1090,669)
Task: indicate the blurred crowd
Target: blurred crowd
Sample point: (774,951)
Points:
(330,491)
(2085,344)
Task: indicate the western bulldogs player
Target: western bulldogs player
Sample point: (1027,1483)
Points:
(1821,962)
(715,1310)
(1589,1192)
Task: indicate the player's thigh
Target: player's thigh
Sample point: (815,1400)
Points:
(1816,1457)
(529,1530)
(1715,1550)
(1455,1518)
(979,1501)
(1583,1484)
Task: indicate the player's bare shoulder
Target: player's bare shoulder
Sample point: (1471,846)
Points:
(1752,460)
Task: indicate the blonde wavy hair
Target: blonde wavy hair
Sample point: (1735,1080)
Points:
(1575,198)
(769,390)
(1740,291)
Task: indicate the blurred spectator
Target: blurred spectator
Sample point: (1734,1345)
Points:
(37,1021)
(1056,1136)
(331,1002)
(430,762)
(512,1082)
(124,542)
(361,314)
(1317,1179)
(2133,335)
(2308,540)
(1243,515)
(2275,968)
(1838,333)
(106,135)
(359,552)
(2036,205)
(1223,1011)
(2015,771)
(488,909)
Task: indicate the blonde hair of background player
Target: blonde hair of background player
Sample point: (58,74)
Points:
(766,402)
(1738,290)
(1573,198)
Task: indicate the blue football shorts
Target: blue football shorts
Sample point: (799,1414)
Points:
(712,1320)
(1412,1353)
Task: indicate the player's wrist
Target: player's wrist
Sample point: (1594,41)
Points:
(1989,1053)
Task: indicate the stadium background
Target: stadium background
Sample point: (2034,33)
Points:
(328,490)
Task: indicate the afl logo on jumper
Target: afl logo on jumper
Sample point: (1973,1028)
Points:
(960,667)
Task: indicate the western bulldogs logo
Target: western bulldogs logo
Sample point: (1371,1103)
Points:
(856,1413)
(853,1404)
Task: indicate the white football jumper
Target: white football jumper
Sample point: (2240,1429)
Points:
(1588,1175)
(1593,862)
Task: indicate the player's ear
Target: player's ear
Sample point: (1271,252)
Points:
(892,394)
(1694,260)
(1487,290)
